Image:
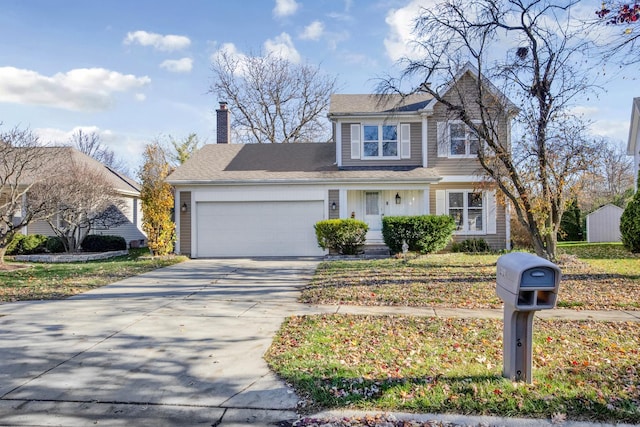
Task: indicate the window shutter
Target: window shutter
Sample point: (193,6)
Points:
(441,208)
(492,211)
(443,139)
(405,141)
(355,141)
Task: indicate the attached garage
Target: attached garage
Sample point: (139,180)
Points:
(257,228)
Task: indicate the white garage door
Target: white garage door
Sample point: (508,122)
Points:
(239,229)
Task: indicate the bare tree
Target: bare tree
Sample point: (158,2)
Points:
(274,100)
(91,145)
(21,160)
(543,72)
(78,201)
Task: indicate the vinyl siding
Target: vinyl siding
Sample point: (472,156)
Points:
(496,241)
(416,149)
(185,224)
(334,197)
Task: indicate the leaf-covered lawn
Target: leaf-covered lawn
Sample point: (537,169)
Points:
(468,281)
(43,281)
(582,370)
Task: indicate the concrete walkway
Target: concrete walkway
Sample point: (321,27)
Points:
(177,346)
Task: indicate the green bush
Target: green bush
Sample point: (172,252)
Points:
(424,234)
(471,246)
(99,243)
(630,224)
(54,245)
(345,236)
(27,245)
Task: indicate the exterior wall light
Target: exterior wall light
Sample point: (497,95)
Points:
(398,199)
(183,208)
(333,206)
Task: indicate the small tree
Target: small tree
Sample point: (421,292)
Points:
(630,223)
(21,162)
(182,150)
(78,200)
(157,200)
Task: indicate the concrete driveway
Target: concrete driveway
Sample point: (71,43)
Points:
(178,346)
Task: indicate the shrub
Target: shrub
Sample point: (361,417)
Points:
(27,245)
(471,246)
(424,234)
(630,224)
(345,236)
(54,245)
(99,243)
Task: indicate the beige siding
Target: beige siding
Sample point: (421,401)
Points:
(416,149)
(457,166)
(334,197)
(496,241)
(185,223)
(40,227)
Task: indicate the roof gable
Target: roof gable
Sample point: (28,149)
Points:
(346,104)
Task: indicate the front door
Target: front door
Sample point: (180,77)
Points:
(373,214)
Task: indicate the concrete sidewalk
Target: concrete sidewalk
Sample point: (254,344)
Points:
(177,346)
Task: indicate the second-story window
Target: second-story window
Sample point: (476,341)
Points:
(380,141)
(463,141)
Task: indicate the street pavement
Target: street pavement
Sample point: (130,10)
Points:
(179,346)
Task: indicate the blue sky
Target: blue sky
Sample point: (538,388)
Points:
(137,70)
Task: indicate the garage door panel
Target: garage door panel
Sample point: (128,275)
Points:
(283,228)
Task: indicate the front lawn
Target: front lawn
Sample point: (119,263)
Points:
(582,370)
(468,281)
(42,281)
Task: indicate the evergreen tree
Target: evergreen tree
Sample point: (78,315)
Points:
(630,223)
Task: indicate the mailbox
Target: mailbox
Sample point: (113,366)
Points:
(526,283)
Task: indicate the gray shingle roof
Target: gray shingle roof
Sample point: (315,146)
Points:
(253,163)
(352,104)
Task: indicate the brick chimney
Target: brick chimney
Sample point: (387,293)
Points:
(223,129)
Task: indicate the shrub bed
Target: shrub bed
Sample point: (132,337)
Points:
(345,236)
(424,233)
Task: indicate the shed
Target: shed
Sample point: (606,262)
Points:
(603,224)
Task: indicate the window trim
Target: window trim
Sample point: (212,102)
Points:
(381,141)
(465,211)
(467,141)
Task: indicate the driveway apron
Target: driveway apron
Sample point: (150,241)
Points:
(181,345)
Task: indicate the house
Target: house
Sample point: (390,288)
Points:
(389,156)
(603,224)
(128,190)
(633,146)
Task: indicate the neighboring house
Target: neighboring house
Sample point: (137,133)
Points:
(127,188)
(390,156)
(603,224)
(633,146)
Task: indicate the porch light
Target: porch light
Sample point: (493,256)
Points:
(398,199)
(183,208)
(333,206)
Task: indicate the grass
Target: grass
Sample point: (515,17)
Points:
(45,281)
(582,370)
(457,280)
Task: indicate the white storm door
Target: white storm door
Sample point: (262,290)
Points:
(373,210)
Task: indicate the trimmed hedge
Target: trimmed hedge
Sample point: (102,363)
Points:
(27,245)
(345,236)
(99,243)
(424,233)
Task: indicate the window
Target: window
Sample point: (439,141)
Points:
(380,140)
(467,209)
(462,140)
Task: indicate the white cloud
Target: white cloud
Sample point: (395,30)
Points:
(166,43)
(313,31)
(140,97)
(79,89)
(59,136)
(400,21)
(285,8)
(183,65)
(282,46)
